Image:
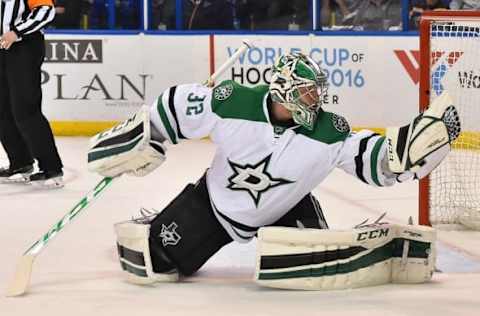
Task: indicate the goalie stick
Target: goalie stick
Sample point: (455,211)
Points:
(21,280)
(229,62)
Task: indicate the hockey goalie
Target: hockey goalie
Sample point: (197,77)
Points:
(275,144)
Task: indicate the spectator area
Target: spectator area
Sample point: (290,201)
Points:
(247,15)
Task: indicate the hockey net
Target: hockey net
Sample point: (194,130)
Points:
(450,60)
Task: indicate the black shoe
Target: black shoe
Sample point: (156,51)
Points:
(9,175)
(47,179)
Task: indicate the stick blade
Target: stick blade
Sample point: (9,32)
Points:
(20,283)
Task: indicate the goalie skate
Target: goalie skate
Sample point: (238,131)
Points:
(47,179)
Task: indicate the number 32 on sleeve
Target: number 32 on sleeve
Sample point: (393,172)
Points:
(197,105)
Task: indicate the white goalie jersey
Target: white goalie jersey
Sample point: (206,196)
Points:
(262,169)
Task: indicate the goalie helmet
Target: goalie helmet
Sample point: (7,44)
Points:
(299,84)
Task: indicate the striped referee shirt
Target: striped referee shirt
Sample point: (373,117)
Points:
(25,17)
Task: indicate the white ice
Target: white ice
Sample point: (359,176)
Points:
(78,273)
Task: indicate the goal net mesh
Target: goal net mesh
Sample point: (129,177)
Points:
(455,66)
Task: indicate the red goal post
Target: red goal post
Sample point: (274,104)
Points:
(449,50)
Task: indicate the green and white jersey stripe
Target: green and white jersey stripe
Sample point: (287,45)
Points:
(367,149)
(260,170)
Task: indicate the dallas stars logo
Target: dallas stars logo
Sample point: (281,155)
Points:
(254,179)
(169,235)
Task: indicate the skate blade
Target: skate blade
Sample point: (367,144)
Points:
(17,178)
(54,183)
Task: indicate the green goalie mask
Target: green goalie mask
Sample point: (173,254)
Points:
(299,84)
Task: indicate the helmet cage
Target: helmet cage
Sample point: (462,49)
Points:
(294,76)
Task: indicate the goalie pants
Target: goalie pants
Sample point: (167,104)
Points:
(186,233)
(24,132)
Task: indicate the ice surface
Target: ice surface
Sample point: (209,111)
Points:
(78,273)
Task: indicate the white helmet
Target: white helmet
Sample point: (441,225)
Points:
(290,73)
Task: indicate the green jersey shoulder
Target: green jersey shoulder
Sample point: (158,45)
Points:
(233,100)
(329,128)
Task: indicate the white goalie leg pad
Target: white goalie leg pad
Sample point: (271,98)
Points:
(134,254)
(310,259)
(126,148)
(419,147)
(418,254)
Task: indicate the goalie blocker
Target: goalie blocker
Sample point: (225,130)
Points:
(126,148)
(309,259)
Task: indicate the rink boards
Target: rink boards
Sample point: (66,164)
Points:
(92,81)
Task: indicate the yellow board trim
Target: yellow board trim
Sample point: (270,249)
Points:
(378,130)
(466,140)
(80,128)
(76,128)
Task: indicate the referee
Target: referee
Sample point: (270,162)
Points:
(25,133)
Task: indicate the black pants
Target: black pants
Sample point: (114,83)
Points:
(186,233)
(25,133)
